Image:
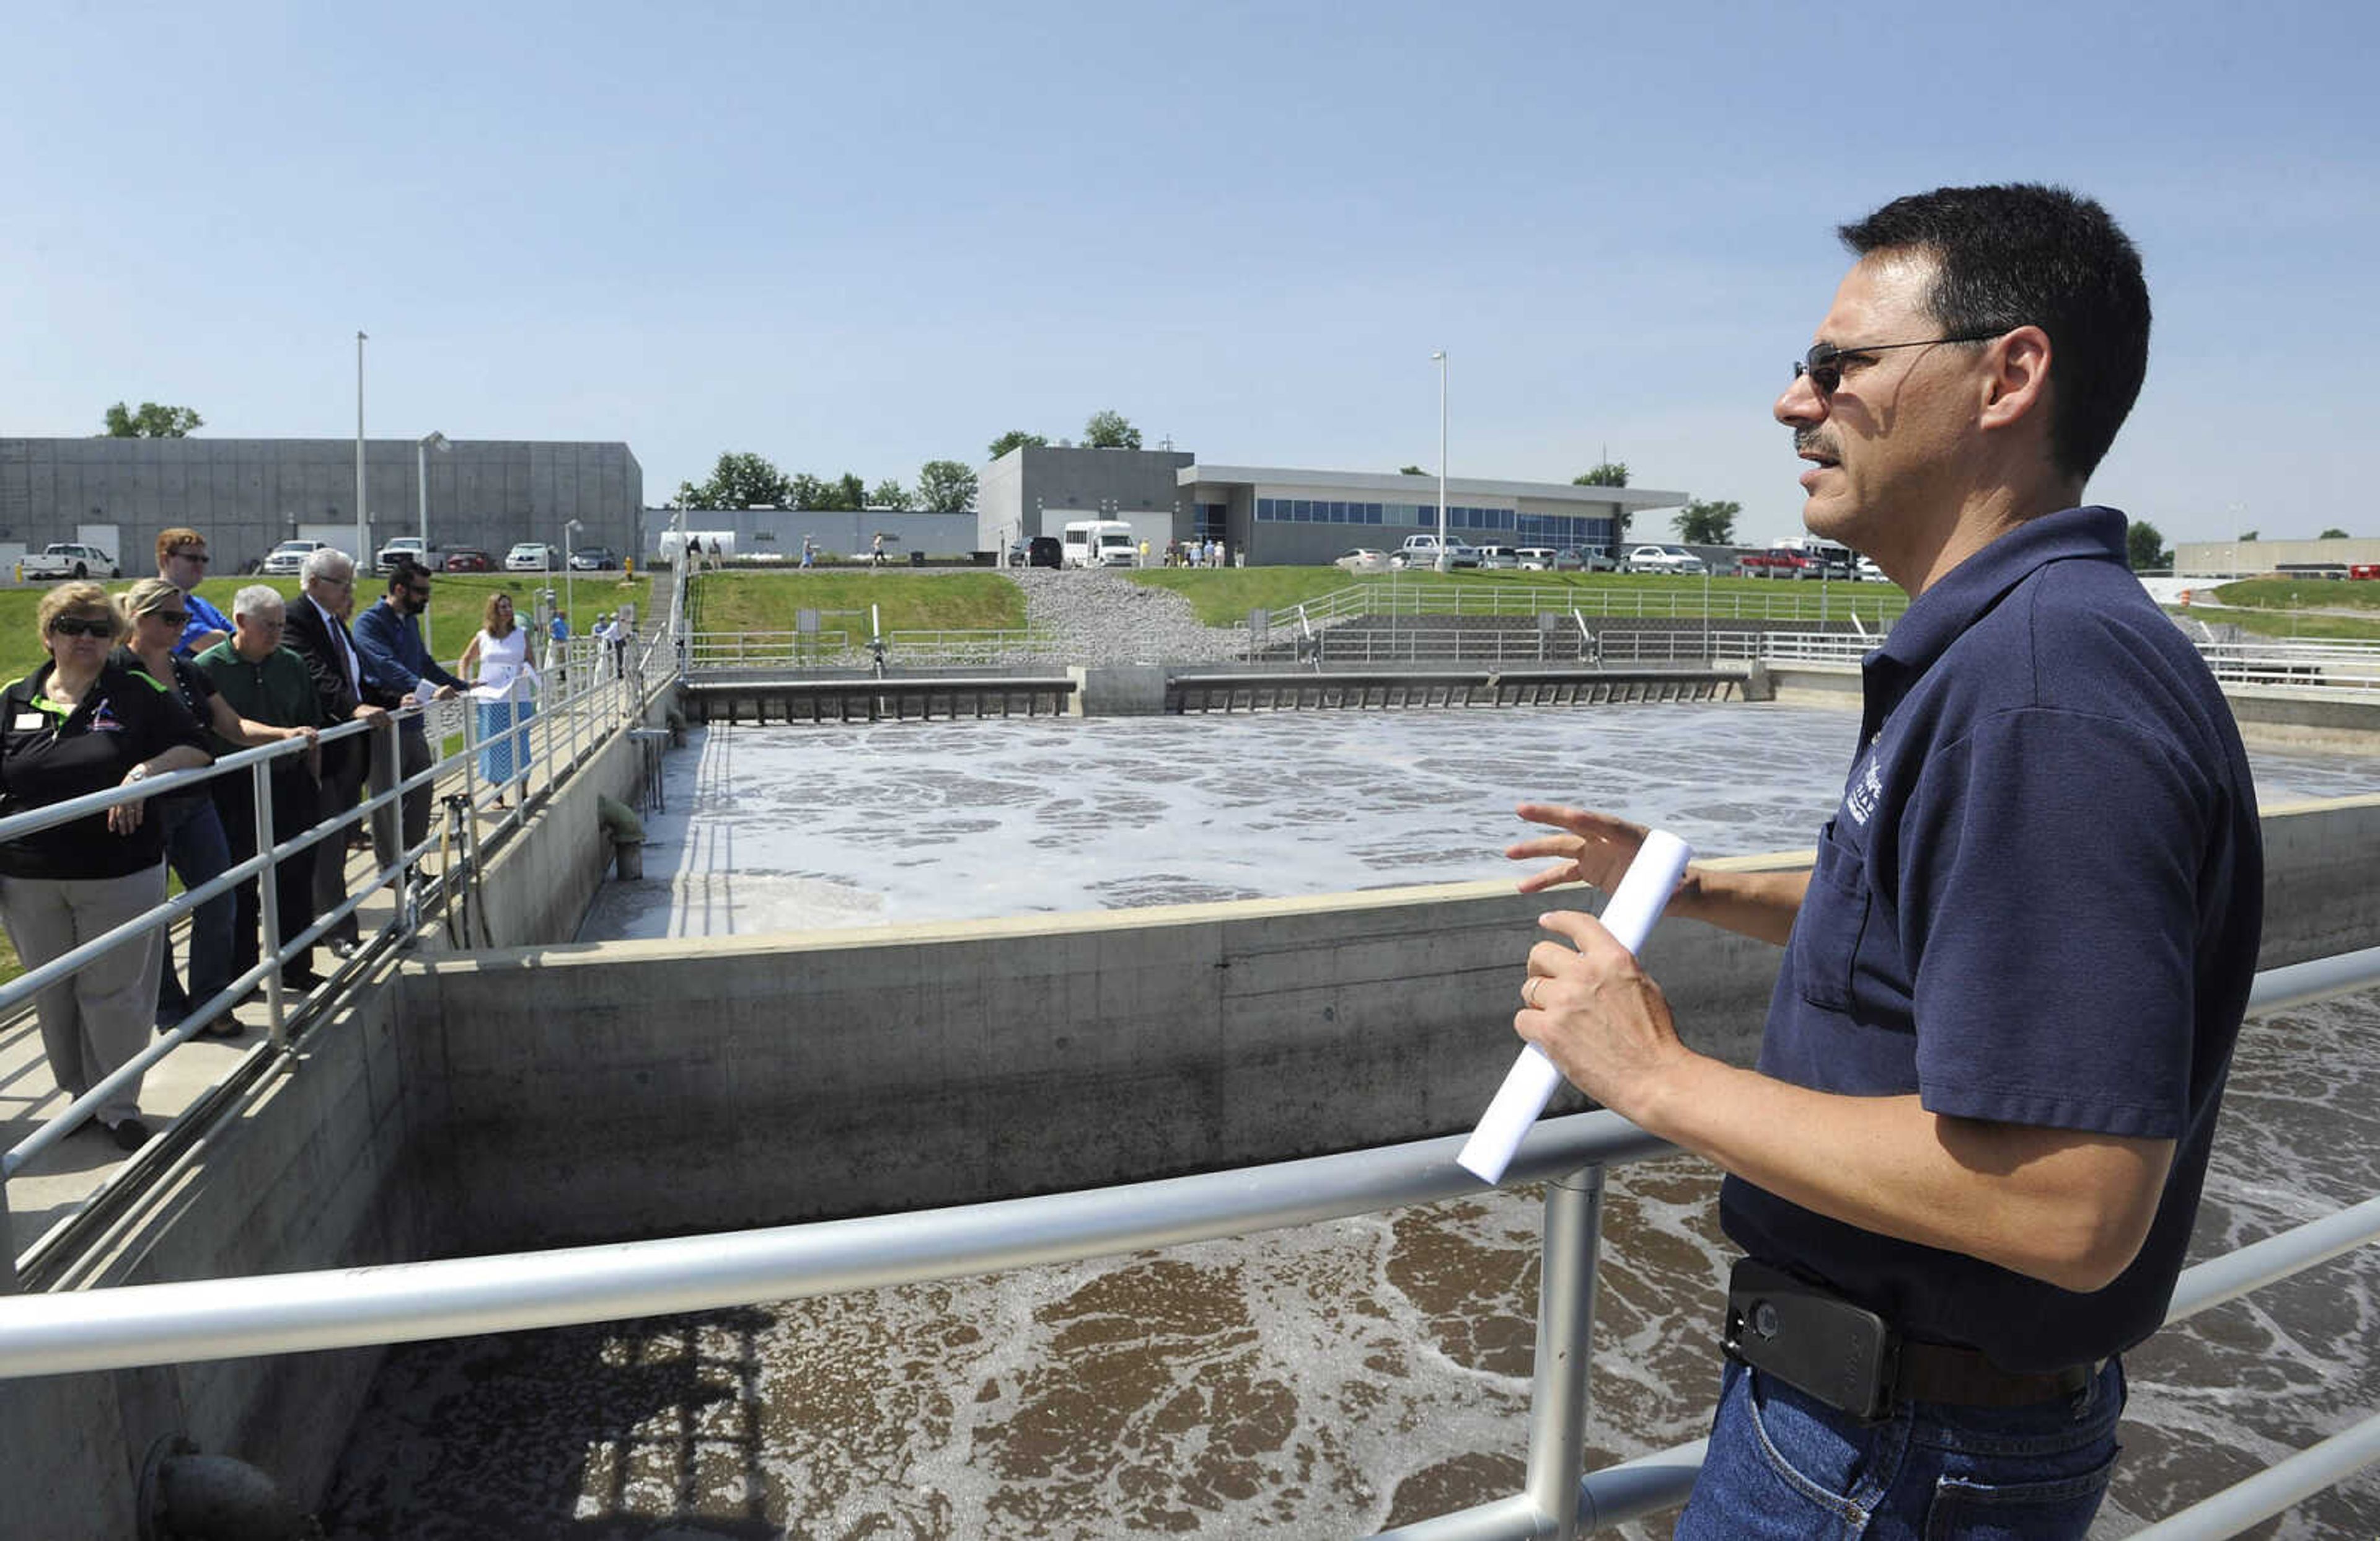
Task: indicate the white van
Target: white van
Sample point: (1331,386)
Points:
(1101,543)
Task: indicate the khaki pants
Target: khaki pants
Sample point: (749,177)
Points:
(98,1017)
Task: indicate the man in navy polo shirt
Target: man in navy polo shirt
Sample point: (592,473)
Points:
(1968,1160)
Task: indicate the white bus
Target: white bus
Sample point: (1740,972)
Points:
(1101,543)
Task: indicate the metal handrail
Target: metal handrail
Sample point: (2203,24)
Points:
(557,730)
(221,1318)
(128,1326)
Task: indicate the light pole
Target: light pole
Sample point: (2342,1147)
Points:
(362,550)
(1445,557)
(572,527)
(433,440)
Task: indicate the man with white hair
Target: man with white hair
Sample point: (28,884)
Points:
(264,682)
(348,688)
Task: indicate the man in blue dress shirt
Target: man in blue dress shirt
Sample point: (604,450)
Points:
(389,637)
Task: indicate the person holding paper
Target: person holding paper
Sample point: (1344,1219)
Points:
(1967,1164)
(506,693)
(389,636)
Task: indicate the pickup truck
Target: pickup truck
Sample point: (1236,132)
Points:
(1421,550)
(68,559)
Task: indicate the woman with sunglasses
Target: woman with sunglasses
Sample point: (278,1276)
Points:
(78,725)
(197,847)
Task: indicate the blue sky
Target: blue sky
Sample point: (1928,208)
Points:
(861,236)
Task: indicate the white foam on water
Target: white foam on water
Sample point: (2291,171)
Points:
(1325,1381)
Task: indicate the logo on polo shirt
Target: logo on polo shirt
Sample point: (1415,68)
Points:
(1865,793)
(104,718)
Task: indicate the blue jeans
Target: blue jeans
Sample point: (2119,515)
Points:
(1784,1467)
(196,846)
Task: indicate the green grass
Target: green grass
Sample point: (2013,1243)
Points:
(1223,596)
(2287,624)
(907,599)
(2301,594)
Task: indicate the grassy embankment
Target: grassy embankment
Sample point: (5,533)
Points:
(2298,607)
(906,598)
(1223,596)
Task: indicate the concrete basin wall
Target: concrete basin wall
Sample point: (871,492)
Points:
(542,1095)
(634,1087)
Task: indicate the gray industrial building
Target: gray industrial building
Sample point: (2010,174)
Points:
(1279,514)
(248,495)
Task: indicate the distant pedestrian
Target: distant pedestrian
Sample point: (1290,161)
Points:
(875,550)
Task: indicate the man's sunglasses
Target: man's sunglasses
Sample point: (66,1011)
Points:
(189,555)
(1824,362)
(75,626)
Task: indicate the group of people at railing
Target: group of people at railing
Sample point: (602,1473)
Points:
(156,680)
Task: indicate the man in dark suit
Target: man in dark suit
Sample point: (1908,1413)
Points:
(346,688)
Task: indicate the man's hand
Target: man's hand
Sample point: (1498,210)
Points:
(443,692)
(1592,848)
(366,712)
(1598,1017)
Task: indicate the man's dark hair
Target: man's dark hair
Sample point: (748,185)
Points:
(403,571)
(2025,254)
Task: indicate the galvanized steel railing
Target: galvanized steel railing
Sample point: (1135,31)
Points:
(576,721)
(113,1328)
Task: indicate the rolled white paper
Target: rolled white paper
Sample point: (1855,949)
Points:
(1643,891)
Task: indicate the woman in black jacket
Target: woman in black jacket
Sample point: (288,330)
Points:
(75,725)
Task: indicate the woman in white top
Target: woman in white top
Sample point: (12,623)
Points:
(503,686)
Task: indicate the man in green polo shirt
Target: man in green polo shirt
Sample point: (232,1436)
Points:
(267,682)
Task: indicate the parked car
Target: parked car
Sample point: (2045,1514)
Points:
(1537,559)
(1044,551)
(1502,559)
(1363,559)
(1584,559)
(594,559)
(1663,559)
(289,557)
(1779,562)
(529,556)
(1421,550)
(69,559)
(384,560)
(469,559)
(1866,569)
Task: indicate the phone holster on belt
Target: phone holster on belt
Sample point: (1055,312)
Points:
(1843,1354)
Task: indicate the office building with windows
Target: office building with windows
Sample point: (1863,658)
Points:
(1279,514)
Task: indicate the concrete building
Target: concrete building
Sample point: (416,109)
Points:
(248,495)
(2249,558)
(1279,514)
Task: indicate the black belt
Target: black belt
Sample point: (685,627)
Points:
(1850,1358)
(1963,1377)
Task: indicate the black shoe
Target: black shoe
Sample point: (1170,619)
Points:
(299,979)
(344,948)
(223,1026)
(130,1135)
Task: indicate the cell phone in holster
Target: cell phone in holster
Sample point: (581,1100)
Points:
(1843,1354)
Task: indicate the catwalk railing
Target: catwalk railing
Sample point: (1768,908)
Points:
(595,693)
(154,1324)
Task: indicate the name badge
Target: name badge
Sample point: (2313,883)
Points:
(27,720)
